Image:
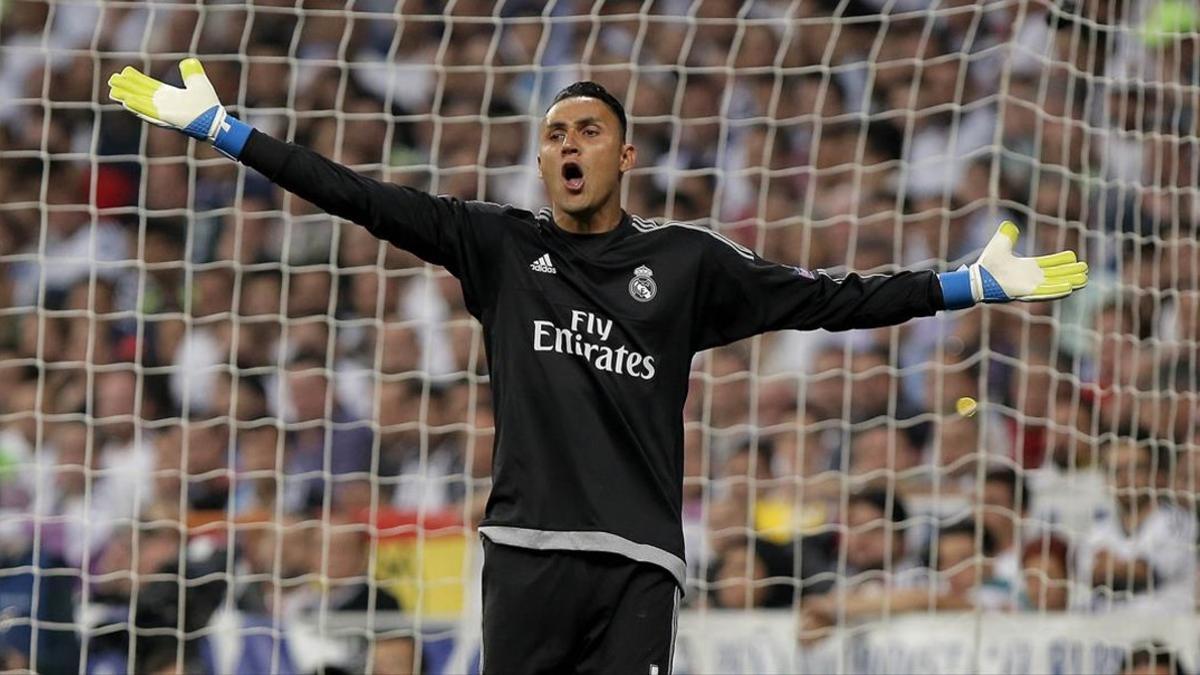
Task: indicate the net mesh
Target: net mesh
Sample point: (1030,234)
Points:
(238,435)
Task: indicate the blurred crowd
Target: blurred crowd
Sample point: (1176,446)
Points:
(182,343)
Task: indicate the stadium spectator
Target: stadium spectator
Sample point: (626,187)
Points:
(431,475)
(274,563)
(400,350)
(1071,486)
(827,381)
(400,440)
(738,488)
(880,453)
(1118,356)
(1005,500)
(872,540)
(871,395)
(1152,658)
(123,478)
(965,568)
(72,241)
(725,389)
(240,397)
(1142,555)
(1187,478)
(19,451)
(1069,444)
(875,537)
(752,573)
(156,587)
(797,498)
(1045,576)
(259,308)
(695,521)
(38,610)
(256,485)
(64,490)
(479,456)
(1031,391)
(341,558)
(957,577)
(954,453)
(1172,409)
(325,446)
(189,467)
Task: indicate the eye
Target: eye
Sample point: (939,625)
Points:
(557,135)
(591,131)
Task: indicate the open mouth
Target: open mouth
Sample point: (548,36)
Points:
(572,175)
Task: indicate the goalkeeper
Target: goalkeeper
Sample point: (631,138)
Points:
(591,318)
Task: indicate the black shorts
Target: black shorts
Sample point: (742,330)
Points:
(575,612)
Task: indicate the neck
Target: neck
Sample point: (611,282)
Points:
(604,218)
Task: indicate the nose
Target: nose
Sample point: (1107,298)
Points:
(568,144)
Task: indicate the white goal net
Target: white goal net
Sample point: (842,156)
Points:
(239,435)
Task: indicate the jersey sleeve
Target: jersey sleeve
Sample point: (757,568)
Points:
(439,230)
(743,295)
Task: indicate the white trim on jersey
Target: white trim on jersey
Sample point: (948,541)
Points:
(674,632)
(644,226)
(559,540)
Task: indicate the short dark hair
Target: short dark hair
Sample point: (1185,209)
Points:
(589,89)
(1018,486)
(878,499)
(967,527)
(1154,654)
(307,359)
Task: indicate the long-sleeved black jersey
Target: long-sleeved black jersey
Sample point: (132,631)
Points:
(590,340)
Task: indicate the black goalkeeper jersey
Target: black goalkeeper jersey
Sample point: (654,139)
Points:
(590,340)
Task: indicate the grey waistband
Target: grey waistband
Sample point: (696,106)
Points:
(605,542)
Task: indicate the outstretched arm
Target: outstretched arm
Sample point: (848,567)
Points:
(747,295)
(431,227)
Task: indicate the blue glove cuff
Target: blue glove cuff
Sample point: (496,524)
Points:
(956,289)
(232,137)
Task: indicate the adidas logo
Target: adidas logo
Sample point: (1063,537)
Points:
(543,264)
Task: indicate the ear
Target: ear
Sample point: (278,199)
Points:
(539,164)
(628,157)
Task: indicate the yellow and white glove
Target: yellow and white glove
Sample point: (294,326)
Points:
(1000,276)
(193,110)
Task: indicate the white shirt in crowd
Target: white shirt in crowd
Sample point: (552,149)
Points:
(1166,540)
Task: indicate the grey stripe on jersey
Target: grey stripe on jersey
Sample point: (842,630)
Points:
(600,542)
(643,225)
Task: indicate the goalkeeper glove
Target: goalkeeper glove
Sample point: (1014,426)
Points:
(1000,276)
(194,110)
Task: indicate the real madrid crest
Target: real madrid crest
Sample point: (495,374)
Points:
(642,286)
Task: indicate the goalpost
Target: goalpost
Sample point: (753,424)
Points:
(239,434)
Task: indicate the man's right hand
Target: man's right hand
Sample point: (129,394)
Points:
(193,110)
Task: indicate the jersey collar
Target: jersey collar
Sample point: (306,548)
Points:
(585,245)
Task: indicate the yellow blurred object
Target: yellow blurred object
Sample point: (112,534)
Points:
(777,521)
(425,574)
(420,558)
(1170,20)
(966,406)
